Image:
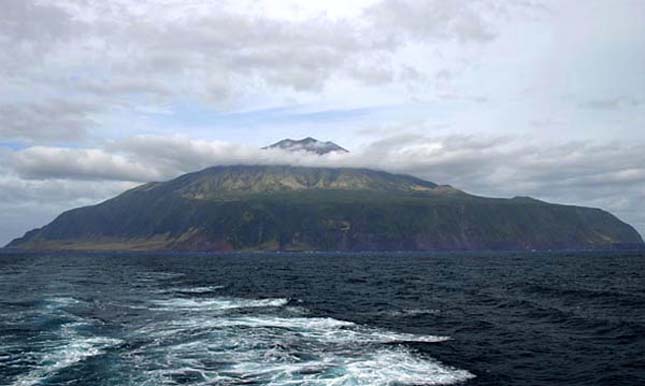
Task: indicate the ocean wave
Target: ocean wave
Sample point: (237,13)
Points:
(205,340)
(205,304)
(69,349)
(273,347)
(195,290)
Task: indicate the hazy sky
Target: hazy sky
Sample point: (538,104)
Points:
(500,98)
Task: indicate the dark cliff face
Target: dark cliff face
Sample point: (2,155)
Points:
(297,208)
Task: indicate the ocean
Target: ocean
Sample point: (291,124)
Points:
(322,319)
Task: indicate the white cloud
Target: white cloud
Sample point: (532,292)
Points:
(462,20)
(85,58)
(41,162)
(52,120)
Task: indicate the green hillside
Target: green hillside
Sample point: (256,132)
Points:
(299,208)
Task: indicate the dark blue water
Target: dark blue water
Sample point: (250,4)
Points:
(322,320)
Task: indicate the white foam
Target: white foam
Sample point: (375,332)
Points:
(379,368)
(197,290)
(324,329)
(413,312)
(218,303)
(387,367)
(392,337)
(341,366)
(309,324)
(273,347)
(71,349)
(160,275)
(59,302)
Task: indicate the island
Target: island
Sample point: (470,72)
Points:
(292,208)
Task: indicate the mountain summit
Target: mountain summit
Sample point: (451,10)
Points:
(308,144)
(289,208)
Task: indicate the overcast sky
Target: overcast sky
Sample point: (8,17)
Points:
(530,98)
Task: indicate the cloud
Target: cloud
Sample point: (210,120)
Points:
(40,162)
(461,20)
(64,62)
(611,103)
(29,21)
(50,120)
(476,161)
(56,192)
